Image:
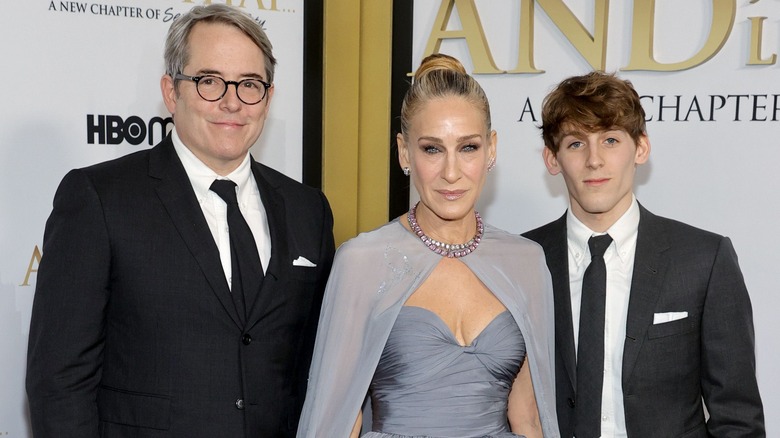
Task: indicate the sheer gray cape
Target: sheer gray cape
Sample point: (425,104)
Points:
(374,274)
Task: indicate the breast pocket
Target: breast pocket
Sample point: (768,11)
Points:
(305,274)
(678,327)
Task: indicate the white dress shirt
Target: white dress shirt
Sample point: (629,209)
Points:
(619,259)
(215,209)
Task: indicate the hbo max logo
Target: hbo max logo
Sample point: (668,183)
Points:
(110,129)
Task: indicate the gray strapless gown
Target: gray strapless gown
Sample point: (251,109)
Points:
(427,385)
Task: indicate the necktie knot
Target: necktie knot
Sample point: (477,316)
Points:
(598,245)
(226,189)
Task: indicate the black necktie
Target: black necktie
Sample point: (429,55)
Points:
(245,261)
(590,349)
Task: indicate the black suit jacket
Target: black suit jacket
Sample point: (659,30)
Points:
(669,368)
(134,333)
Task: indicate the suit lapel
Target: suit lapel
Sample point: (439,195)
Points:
(559,270)
(178,198)
(279,264)
(556,249)
(649,268)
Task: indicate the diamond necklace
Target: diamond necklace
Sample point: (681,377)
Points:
(446,249)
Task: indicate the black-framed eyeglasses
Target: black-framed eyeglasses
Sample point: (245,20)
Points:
(213,88)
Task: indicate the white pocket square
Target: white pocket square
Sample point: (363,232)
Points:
(303,261)
(660,318)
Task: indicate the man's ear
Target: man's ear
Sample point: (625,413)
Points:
(551,161)
(168,88)
(642,150)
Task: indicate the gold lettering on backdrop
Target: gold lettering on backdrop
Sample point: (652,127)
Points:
(642,58)
(471,31)
(591,47)
(35,260)
(260,4)
(525,54)
(756,34)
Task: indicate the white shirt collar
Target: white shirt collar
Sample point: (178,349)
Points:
(623,233)
(201,176)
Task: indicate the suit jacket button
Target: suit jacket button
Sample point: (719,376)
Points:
(246,339)
(240,404)
(571,402)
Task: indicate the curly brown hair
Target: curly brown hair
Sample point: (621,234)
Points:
(593,102)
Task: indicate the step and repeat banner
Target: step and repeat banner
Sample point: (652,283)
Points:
(80,84)
(709,78)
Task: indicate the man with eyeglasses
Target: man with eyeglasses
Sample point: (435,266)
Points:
(179,289)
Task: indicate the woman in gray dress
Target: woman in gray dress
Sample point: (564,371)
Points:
(443,321)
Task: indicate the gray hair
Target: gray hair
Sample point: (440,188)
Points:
(177,49)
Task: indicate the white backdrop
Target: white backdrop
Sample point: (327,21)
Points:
(64,61)
(718,175)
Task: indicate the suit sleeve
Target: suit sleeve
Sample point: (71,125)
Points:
(67,327)
(327,248)
(728,374)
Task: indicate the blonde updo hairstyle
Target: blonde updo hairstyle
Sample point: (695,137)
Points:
(437,77)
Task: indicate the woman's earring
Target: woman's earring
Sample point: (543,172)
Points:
(407,171)
(492,164)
